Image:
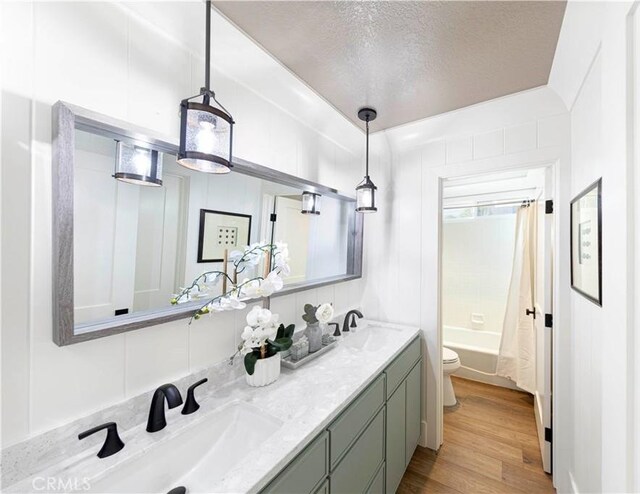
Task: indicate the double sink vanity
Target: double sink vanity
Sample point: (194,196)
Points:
(347,422)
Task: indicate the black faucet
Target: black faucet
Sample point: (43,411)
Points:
(337,331)
(191,405)
(157,420)
(354,313)
(112,443)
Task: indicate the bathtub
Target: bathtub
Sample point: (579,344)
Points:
(478,352)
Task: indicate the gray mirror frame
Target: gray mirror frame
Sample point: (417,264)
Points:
(66,119)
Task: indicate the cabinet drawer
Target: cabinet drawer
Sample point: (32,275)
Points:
(346,428)
(377,486)
(304,473)
(400,367)
(361,463)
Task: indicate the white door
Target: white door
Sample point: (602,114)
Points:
(292,227)
(159,228)
(105,232)
(543,299)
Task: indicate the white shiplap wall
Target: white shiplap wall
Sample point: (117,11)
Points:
(134,62)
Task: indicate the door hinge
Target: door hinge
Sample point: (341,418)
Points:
(548,320)
(548,436)
(548,206)
(273,217)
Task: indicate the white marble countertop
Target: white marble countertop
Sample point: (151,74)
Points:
(306,400)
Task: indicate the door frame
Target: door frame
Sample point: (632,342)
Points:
(555,157)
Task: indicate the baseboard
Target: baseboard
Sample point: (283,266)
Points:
(423,434)
(572,483)
(537,409)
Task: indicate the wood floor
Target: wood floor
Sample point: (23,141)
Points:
(490,446)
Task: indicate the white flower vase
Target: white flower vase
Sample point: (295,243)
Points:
(314,334)
(267,370)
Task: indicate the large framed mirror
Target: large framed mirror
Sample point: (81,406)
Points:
(123,247)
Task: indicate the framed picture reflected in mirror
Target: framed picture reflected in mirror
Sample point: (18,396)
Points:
(220,230)
(586,243)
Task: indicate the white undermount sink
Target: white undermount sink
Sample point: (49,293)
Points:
(371,337)
(196,458)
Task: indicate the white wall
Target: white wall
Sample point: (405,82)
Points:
(593,72)
(134,62)
(477,260)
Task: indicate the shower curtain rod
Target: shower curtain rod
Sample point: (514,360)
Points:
(504,203)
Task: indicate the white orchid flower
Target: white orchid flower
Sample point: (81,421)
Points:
(324,313)
(231,303)
(259,317)
(275,280)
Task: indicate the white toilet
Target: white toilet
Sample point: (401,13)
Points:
(450,364)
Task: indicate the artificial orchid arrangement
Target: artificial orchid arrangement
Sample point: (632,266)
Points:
(262,337)
(204,286)
(323,313)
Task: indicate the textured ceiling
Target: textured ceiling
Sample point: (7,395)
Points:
(409,60)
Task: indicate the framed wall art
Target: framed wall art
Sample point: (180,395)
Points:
(586,243)
(220,230)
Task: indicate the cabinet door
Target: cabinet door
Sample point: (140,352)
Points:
(414,399)
(396,438)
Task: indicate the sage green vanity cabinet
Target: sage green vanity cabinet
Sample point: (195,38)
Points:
(403,426)
(367,448)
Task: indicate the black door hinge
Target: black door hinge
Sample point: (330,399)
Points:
(273,217)
(548,436)
(548,206)
(548,320)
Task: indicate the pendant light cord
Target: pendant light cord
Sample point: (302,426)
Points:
(367,162)
(207,48)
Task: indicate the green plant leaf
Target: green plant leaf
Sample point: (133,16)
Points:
(250,360)
(288,331)
(281,344)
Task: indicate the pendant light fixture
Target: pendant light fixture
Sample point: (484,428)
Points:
(206,131)
(310,203)
(138,165)
(366,190)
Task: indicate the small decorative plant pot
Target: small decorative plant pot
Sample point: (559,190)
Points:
(314,334)
(267,370)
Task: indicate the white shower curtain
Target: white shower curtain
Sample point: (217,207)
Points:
(517,356)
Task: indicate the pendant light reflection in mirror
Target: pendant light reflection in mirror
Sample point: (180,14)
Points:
(206,127)
(138,165)
(366,190)
(310,203)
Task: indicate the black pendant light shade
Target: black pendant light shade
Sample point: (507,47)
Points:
(206,136)
(366,190)
(138,165)
(366,196)
(206,127)
(310,203)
